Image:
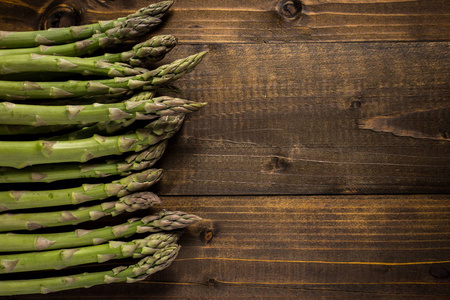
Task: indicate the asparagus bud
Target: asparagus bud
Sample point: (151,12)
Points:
(151,50)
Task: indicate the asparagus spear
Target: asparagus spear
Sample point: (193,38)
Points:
(38,63)
(17,90)
(105,128)
(59,259)
(126,188)
(19,154)
(141,54)
(86,130)
(163,221)
(44,115)
(53,172)
(140,271)
(53,36)
(129,29)
(36,220)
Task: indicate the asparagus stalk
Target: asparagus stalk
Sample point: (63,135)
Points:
(127,188)
(17,90)
(19,154)
(53,36)
(36,220)
(59,259)
(53,172)
(77,131)
(38,63)
(129,29)
(140,271)
(106,128)
(44,115)
(163,221)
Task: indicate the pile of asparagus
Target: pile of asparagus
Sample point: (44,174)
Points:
(81,127)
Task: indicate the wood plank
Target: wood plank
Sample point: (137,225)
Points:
(255,21)
(267,21)
(293,119)
(319,247)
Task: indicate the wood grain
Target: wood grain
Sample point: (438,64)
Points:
(283,119)
(256,21)
(412,124)
(318,247)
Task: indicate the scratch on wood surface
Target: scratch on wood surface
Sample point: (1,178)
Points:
(422,124)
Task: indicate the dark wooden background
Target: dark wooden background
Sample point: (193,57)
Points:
(321,163)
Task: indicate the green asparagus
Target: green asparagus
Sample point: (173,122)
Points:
(36,220)
(130,29)
(44,115)
(20,154)
(53,36)
(59,259)
(105,128)
(38,63)
(124,187)
(53,172)
(16,90)
(140,271)
(163,221)
(70,127)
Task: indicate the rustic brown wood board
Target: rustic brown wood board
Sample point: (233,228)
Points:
(320,164)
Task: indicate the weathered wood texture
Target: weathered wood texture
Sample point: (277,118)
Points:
(344,97)
(303,247)
(256,21)
(288,119)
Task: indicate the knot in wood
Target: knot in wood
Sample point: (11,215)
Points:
(208,236)
(278,164)
(61,15)
(355,105)
(289,9)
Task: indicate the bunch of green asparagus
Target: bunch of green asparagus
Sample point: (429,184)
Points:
(81,128)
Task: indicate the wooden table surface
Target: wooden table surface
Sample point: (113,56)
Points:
(321,163)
